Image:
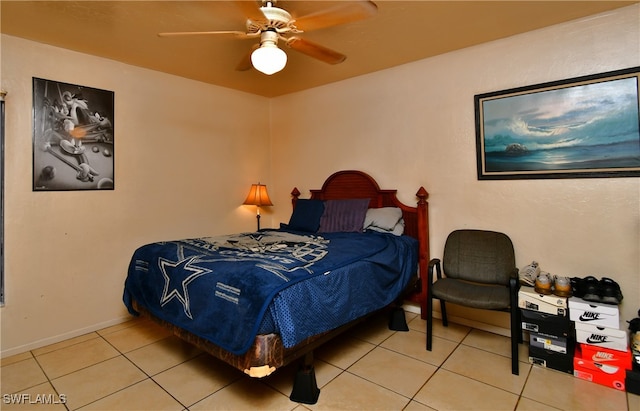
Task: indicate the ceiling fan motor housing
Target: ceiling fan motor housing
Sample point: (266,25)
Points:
(274,18)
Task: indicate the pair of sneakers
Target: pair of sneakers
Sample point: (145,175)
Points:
(543,283)
(557,285)
(605,290)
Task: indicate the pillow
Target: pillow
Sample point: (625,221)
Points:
(384,218)
(306,215)
(343,215)
(398,229)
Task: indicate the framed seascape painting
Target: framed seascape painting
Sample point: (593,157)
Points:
(582,127)
(73,139)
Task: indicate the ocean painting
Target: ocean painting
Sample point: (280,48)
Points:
(585,128)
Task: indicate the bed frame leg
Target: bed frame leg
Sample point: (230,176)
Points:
(305,388)
(398,320)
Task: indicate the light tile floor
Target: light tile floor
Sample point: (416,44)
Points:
(139,366)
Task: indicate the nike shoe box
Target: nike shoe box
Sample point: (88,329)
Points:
(551,352)
(605,355)
(603,337)
(587,312)
(548,324)
(599,371)
(529,299)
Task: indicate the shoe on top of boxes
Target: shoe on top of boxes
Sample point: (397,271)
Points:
(544,283)
(591,289)
(587,313)
(595,312)
(551,333)
(543,292)
(545,315)
(530,299)
(602,354)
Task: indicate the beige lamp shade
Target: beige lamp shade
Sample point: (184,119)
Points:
(258,196)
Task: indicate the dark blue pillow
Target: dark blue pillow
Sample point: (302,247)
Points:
(306,216)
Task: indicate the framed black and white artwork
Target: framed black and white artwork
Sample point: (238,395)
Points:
(73,137)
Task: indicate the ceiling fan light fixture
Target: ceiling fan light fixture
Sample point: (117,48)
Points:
(268,58)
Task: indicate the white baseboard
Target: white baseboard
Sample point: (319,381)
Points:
(61,337)
(411,307)
(414,308)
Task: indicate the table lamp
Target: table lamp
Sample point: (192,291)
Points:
(258,197)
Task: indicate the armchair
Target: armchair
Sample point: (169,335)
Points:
(477,270)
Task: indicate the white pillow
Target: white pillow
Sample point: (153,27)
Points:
(385,219)
(398,229)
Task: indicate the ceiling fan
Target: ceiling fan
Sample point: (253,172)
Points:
(271,24)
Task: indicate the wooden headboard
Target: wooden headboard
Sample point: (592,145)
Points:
(356,184)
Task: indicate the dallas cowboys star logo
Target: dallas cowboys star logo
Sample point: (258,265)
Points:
(177,277)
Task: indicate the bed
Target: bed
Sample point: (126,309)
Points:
(260,300)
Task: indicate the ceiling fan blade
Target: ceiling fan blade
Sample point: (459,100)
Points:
(250,9)
(245,63)
(315,50)
(334,16)
(238,34)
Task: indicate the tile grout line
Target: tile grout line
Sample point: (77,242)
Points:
(49,380)
(439,367)
(149,377)
(461,343)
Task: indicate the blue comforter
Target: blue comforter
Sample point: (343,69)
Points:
(219,288)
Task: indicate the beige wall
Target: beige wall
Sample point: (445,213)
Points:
(414,126)
(186,153)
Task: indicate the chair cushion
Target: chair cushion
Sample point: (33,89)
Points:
(475,295)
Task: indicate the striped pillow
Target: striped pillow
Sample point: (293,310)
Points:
(343,215)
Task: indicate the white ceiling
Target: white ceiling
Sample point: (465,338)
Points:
(400,32)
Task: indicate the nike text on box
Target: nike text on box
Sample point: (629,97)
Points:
(528,299)
(612,338)
(599,372)
(606,355)
(587,312)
